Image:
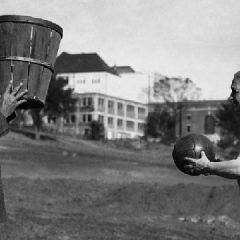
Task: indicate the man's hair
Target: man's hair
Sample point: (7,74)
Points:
(237,74)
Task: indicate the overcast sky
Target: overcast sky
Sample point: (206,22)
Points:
(198,39)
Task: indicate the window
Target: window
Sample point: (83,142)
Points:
(140,127)
(101,119)
(89,117)
(81,81)
(120,106)
(188,128)
(90,101)
(130,111)
(130,108)
(110,106)
(120,109)
(84,102)
(96,81)
(110,121)
(189,116)
(73,118)
(119,123)
(87,101)
(130,125)
(209,124)
(84,118)
(101,104)
(141,113)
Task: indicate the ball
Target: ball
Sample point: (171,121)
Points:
(191,146)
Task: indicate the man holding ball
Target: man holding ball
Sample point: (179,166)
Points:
(227,169)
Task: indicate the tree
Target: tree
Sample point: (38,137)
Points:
(59,103)
(175,89)
(161,123)
(228,117)
(37,120)
(97,130)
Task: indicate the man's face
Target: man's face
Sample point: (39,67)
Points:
(235,95)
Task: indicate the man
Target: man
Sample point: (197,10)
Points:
(11,99)
(227,169)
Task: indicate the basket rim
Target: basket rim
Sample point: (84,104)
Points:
(29,19)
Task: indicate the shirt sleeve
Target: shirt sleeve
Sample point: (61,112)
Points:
(4,127)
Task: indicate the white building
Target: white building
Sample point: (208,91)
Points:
(119,95)
(89,73)
(122,118)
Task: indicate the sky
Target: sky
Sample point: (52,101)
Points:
(196,39)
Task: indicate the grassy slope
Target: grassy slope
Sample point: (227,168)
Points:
(78,159)
(72,189)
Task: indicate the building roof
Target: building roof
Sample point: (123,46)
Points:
(123,69)
(195,104)
(80,63)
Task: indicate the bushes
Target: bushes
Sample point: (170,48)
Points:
(97,130)
(161,124)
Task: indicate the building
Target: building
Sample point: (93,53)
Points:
(196,117)
(122,118)
(114,96)
(87,72)
(103,92)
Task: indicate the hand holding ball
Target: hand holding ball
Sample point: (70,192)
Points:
(191,146)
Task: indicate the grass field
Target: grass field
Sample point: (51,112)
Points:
(75,189)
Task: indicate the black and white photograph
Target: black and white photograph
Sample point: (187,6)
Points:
(119,120)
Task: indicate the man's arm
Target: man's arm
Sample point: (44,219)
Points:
(9,102)
(227,169)
(4,128)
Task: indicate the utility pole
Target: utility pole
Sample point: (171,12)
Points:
(148,93)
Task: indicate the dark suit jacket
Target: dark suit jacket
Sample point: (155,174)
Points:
(4,129)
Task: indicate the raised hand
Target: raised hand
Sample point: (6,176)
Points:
(12,99)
